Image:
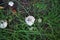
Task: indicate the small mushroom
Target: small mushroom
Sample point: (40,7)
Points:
(3,24)
(13,6)
(30,20)
(11,3)
(40,20)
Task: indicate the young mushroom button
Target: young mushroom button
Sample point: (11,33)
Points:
(3,24)
(29,20)
(11,3)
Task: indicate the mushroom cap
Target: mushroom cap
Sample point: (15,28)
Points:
(30,20)
(11,3)
(3,24)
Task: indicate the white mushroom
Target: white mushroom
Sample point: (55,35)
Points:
(30,20)
(39,20)
(3,24)
(11,3)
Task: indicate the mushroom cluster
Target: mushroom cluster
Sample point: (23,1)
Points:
(29,19)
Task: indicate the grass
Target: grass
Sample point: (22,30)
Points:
(17,29)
